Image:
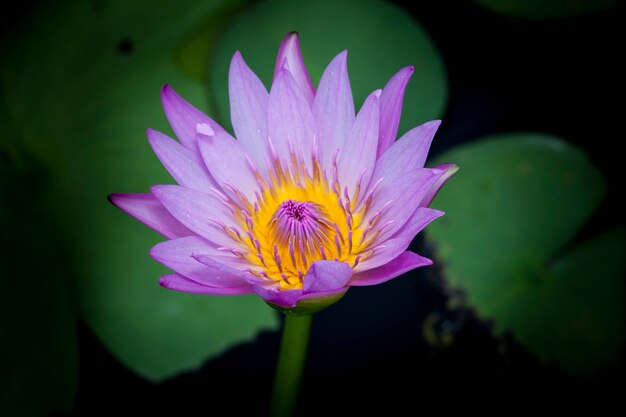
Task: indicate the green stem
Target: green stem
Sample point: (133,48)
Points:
(291,358)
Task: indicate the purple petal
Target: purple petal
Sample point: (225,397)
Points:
(185,166)
(289,52)
(184,117)
(386,250)
(447,172)
(287,299)
(358,155)
(224,264)
(230,165)
(396,200)
(333,108)
(420,218)
(248,108)
(148,210)
(291,123)
(408,153)
(181,255)
(202,213)
(391,107)
(405,262)
(383,254)
(179,283)
(326,276)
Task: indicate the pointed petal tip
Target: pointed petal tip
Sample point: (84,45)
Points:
(166,91)
(236,61)
(152,135)
(117,199)
(157,190)
(434,122)
(450,169)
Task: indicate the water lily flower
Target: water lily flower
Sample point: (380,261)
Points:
(310,198)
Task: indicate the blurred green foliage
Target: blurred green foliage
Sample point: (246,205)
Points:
(81,83)
(39,370)
(512,211)
(545,9)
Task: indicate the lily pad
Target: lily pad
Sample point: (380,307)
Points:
(380,38)
(82,84)
(512,213)
(39,345)
(541,9)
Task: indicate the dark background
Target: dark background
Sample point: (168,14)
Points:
(370,353)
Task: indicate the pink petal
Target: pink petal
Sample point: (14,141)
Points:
(405,262)
(184,117)
(202,213)
(185,166)
(391,107)
(333,108)
(289,53)
(148,210)
(291,123)
(179,283)
(407,153)
(447,172)
(358,155)
(248,109)
(230,165)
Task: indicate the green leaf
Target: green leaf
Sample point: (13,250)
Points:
(380,38)
(542,9)
(82,82)
(40,368)
(516,203)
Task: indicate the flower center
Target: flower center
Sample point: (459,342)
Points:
(303,227)
(298,217)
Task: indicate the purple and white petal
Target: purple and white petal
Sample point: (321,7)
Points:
(184,117)
(177,282)
(420,218)
(326,276)
(248,109)
(405,262)
(185,166)
(291,124)
(447,171)
(394,201)
(407,153)
(358,156)
(230,165)
(388,249)
(182,256)
(333,108)
(202,213)
(150,211)
(281,298)
(289,54)
(383,253)
(391,107)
